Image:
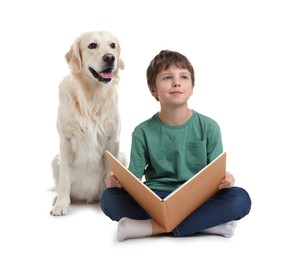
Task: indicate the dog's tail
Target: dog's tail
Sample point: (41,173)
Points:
(53,189)
(55,164)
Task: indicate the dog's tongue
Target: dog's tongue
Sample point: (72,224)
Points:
(106,75)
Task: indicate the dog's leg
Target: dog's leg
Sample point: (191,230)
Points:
(62,200)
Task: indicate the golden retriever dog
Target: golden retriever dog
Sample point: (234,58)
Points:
(88,119)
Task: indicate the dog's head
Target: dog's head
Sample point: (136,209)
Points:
(95,54)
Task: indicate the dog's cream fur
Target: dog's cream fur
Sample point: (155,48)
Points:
(88,120)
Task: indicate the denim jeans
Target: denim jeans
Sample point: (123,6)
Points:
(226,205)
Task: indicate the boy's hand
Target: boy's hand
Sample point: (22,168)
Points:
(227,182)
(111,181)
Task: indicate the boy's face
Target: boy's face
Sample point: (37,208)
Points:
(173,86)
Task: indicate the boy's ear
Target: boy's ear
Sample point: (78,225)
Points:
(153,91)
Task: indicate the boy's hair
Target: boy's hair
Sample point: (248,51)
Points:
(163,61)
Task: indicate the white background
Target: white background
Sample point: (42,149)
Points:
(235,48)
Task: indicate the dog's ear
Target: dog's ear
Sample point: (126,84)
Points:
(120,64)
(73,57)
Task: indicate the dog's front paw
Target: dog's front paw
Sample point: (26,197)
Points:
(60,209)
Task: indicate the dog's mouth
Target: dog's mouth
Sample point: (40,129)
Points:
(104,76)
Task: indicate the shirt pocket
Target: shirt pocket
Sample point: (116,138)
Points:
(196,155)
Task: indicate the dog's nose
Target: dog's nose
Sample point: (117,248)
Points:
(110,58)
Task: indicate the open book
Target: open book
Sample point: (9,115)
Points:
(173,209)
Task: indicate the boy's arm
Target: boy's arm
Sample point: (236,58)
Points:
(228,181)
(111,181)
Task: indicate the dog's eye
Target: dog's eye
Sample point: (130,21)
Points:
(113,45)
(92,45)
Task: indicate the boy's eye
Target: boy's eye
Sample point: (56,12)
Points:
(167,77)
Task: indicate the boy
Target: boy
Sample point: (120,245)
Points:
(170,148)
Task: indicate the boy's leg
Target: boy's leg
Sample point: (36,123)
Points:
(225,230)
(216,216)
(223,208)
(116,203)
(132,228)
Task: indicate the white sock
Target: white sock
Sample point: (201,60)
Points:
(226,229)
(131,228)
